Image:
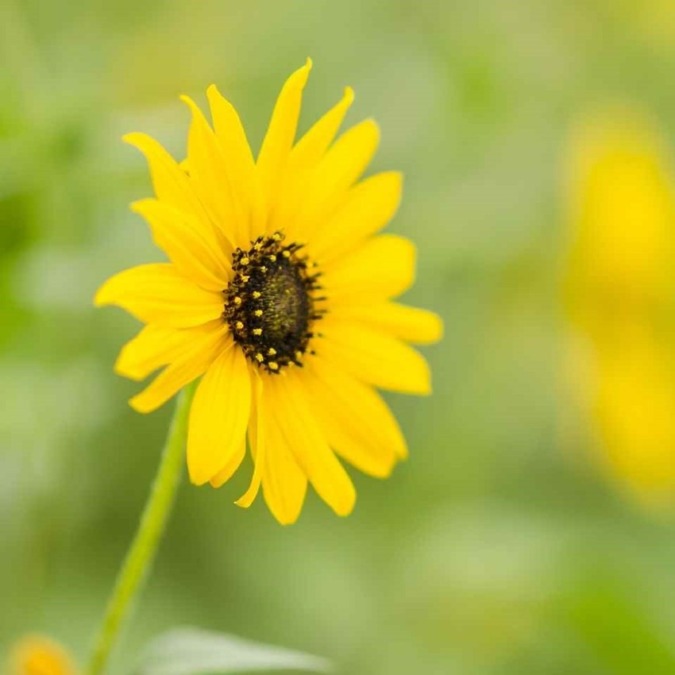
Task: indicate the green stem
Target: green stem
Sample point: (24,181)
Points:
(144,546)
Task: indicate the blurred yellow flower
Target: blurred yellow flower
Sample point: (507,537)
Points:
(620,288)
(39,655)
(279,291)
(654,20)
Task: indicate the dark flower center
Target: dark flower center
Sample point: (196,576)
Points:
(271,303)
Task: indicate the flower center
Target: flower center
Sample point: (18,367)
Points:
(270,304)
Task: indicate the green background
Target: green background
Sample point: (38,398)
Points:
(489,551)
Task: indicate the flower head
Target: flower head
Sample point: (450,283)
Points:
(278,291)
(620,291)
(39,655)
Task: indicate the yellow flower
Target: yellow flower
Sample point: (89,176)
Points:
(620,297)
(38,655)
(279,292)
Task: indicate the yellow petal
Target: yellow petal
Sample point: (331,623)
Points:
(303,160)
(157,293)
(309,445)
(382,268)
(313,145)
(232,464)
(192,363)
(283,481)
(374,357)
(368,207)
(191,247)
(211,176)
(412,324)
(219,416)
(340,168)
(230,131)
(237,152)
(256,438)
(170,182)
(281,133)
(357,423)
(157,346)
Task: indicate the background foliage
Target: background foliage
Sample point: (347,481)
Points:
(490,551)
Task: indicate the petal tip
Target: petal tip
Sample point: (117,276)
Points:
(301,75)
(244,501)
(196,474)
(385,471)
(215,97)
(102,297)
(372,125)
(344,506)
(249,496)
(194,108)
(119,368)
(140,206)
(134,138)
(426,390)
(286,522)
(284,516)
(423,385)
(346,509)
(402,454)
(188,101)
(439,329)
(140,405)
(124,366)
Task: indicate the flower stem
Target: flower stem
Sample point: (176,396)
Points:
(150,530)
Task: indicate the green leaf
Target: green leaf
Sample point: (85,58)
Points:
(192,651)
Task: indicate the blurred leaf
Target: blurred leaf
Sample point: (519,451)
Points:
(187,651)
(619,630)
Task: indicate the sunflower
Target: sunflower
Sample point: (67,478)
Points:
(278,294)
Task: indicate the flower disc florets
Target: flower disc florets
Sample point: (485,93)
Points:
(270,304)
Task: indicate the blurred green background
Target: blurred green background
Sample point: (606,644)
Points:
(489,551)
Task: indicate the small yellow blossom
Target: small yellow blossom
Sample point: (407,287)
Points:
(39,655)
(279,292)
